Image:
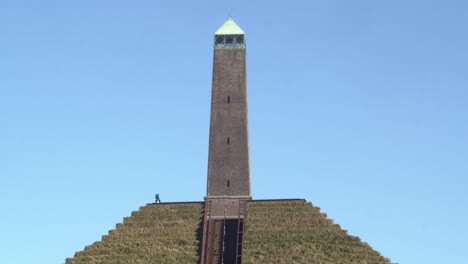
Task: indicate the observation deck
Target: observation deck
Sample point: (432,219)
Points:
(230,36)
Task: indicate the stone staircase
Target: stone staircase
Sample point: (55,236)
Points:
(215,246)
(223,237)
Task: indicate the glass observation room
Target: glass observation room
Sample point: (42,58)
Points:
(229,40)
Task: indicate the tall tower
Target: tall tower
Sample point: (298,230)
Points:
(228,161)
(279,231)
(228,185)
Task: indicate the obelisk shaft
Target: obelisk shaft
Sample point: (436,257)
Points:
(228,162)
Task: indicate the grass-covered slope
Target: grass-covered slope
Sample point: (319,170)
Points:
(276,232)
(160,233)
(296,232)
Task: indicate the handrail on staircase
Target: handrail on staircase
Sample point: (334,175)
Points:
(206,226)
(224,234)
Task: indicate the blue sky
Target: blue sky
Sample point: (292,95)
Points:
(357,106)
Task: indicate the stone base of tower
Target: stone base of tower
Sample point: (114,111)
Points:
(226,207)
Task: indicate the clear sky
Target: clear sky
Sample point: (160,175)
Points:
(357,106)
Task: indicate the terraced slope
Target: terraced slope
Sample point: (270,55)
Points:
(160,233)
(296,232)
(276,232)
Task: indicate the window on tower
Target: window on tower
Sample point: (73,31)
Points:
(239,39)
(219,40)
(229,40)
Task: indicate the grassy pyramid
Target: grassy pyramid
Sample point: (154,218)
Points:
(276,231)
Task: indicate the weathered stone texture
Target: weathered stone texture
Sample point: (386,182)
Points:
(228,162)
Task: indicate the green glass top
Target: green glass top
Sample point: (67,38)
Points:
(229,28)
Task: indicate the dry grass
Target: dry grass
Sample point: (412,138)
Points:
(278,232)
(154,234)
(296,232)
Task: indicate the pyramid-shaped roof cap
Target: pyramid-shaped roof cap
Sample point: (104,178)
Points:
(229,28)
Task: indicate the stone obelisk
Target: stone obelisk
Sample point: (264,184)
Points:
(228,161)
